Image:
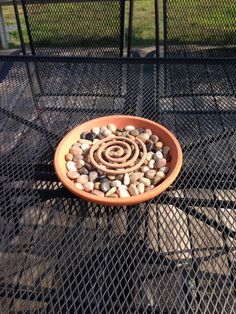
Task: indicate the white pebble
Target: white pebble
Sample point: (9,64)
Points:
(123,193)
(83,179)
(97,192)
(93,175)
(84,141)
(116,183)
(145,169)
(95,140)
(85,146)
(111,191)
(103,128)
(165,169)
(107,132)
(122,187)
(160,174)
(96,130)
(111,127)
(145,181)
(126,179)
(89,186)
(71,166)
(79,186)
(80,163)
(141,188)
(158,155)
(151,164)
(149,156)
(129,128)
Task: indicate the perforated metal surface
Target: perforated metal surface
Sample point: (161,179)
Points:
(174,254)
(200,28)
(75,27)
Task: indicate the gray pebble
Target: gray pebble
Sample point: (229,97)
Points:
(134,132)
(83,170)
(135,177)
(105,186)
(165,169)
(90,136)
(166,150)
(154,138)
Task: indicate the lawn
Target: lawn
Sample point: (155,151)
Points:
(215,23)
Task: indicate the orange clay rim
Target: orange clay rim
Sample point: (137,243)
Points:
(59,159)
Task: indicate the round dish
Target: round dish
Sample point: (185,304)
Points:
(120,121)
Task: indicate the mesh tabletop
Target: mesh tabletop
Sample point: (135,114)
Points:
(173,254)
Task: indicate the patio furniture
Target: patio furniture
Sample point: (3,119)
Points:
(174,254)
(75,27)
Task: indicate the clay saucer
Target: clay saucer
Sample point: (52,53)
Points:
(120,121)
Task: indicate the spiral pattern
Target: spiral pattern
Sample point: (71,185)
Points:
(118,155)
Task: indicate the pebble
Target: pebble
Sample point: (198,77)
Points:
(158,144)
(110,177)
(134,132)
(119,177)
(85,146)
(161,163)
(154,138)
(145,162)
(156,180)
(141,188)
(131,137)
(77,144)
(148,131)
(79,186)
(158,155)
(141,130)
(97,185)
(143,137)
(96,130)
(83,170)
(150,174)
(105,186)
(135,177)
(84,141)
(126,179)
(151,163)
(166,150)
(100,136)
(100,172)
(98,193)
(112,127)
(88,166)
(91,136)
(122,187)
(95,141)
(83,179)
(78,157)
(74,150)
(123,193)
(114,196)
(83,135)
(71,166)
(133,190)
(103,176)
(160,174)
(88,186)
(149,147)
(129,128)
(80,164)
(149,156)
(72,175)
(116,183)
(111,191)
(93,175)
(145,169)
(107,133)
(165,169)
(149,188)
(68,157)
(145,181)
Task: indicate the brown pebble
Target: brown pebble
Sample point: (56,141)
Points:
(74,150)
(158,145)
(68,157)
(148,131)
(143,137)
(149,188)
(145,181)
(114,196)
(160,163)
(111,191)
(145,162)
(134,177)
(72,175)
(131,137)
(98,193)
(166,150)
(134,132)
(78,157)
(110,177)
(156,180)
(119,177)
(84,141)
(97,185)
(83,179)
(154,138)
(133,190)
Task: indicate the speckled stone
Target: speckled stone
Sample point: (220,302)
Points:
(158,155)
(83,179)
(134,132)
(134,177)
(154,138)
(133,190)
(150,174)
(145,181)
(143,137)
(161,163)
(105,186)
(83,170)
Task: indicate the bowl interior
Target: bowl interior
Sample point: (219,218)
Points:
(120,121)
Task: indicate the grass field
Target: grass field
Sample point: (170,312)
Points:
(216,23)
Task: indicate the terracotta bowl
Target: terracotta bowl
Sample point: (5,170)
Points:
(120,121)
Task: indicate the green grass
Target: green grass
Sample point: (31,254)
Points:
(191,27)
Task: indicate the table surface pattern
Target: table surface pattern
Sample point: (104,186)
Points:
(173,254)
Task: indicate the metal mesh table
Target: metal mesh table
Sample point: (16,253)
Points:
(174,254)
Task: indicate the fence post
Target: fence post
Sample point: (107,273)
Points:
(3,33)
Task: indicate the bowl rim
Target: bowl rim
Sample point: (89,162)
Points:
(120,201)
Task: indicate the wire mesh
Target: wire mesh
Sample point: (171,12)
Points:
(173,254)
(199,28)
(75,28)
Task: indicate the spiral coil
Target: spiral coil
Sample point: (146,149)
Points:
(118,155)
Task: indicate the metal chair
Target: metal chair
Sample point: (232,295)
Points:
(75,27)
